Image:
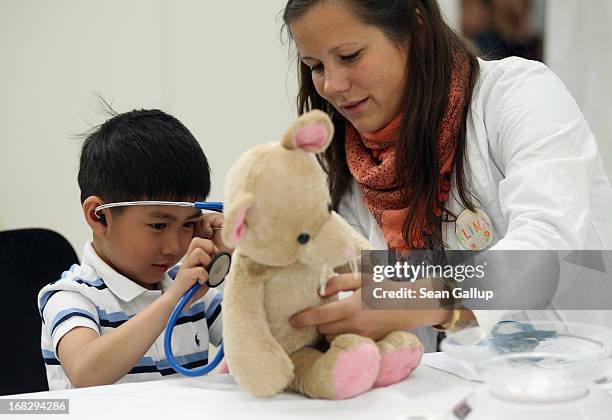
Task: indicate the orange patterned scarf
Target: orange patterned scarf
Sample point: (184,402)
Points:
(371,160)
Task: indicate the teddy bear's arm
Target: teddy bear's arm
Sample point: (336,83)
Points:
(255,358)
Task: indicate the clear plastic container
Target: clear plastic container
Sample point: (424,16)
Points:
(538,361)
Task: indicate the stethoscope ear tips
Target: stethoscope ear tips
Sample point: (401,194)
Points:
(100,216)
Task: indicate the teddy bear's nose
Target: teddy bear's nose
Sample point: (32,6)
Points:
(303,238)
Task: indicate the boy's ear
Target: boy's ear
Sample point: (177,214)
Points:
(97,223)
(235,226)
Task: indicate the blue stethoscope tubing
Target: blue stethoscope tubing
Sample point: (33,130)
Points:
(209,205)
(203,370)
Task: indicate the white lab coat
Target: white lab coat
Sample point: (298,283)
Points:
(534,167)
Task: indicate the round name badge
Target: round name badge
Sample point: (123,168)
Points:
(474,230)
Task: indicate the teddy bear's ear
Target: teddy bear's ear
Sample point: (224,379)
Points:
(234,226)
(312,132)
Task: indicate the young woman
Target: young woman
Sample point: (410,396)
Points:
(429,139)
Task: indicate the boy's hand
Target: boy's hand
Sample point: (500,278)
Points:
(209,227)
(193,269)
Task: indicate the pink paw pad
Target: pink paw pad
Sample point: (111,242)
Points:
(356,370)
(311,137)
(397,365)
(223,368)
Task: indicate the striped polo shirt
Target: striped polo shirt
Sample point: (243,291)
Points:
(95,296)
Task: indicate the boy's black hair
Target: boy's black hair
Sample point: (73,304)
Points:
(143,155)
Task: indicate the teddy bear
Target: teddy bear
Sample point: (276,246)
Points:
(286,236)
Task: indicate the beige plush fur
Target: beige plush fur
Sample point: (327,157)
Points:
(275,193)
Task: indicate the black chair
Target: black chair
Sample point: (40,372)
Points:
(29,259)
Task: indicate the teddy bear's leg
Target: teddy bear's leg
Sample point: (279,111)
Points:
(400,354)
(348,368)
(303,361)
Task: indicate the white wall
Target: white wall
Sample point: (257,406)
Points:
(217,66)
(578,48)
(451,10)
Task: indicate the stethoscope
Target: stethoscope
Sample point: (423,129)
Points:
(217,270)
(202,205)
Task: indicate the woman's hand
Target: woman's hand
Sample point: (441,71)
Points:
(348,316)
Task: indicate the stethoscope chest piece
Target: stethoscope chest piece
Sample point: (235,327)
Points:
(474,230)
(218,268)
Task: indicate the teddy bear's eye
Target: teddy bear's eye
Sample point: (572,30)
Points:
(303,238)
(329,208)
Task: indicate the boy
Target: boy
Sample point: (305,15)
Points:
(103,320)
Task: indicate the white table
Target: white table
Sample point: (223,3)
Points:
(427,392)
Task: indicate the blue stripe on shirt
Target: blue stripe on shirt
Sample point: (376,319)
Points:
(190,361)
(115,319)
(70,270)
(49,358)
(194,310)
(214,304)
(47,353)
(43,302)
(213,310)
(184,359)
(97,283)
(69,313)
(193,314)
(210,321)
